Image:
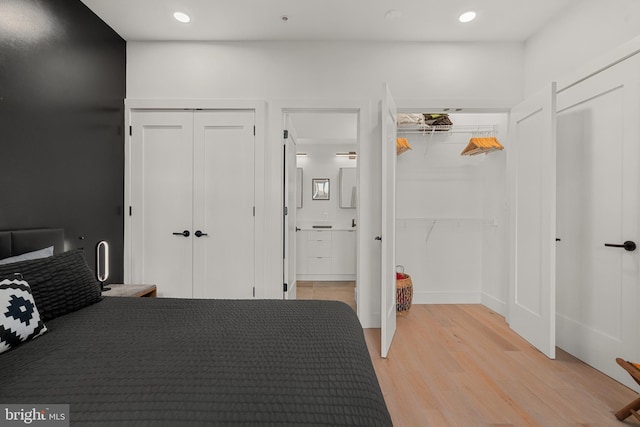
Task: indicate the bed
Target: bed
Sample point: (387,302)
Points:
(174,362)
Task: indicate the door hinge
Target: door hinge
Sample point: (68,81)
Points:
(130,130)
(254,291)
(284,287)
(254,211)
(286,134)
(286,210)
(254,130)
(130,211)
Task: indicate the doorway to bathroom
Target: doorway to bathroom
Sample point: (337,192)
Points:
(320,179)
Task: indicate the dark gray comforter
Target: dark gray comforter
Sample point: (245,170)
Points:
(148,361)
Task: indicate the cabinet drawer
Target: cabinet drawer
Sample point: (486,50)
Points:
(319,248)
(320,235)
(319,265)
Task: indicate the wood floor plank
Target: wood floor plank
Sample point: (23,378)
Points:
(461,365)
(343,291)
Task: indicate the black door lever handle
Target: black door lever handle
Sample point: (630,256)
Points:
(184,233)
(628,245)
(199,233)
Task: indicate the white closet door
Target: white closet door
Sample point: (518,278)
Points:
(532,168)
(223,174)
(161,200)
(388,255)
(598,162)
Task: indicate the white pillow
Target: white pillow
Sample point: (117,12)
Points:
(21,321)
(41,253)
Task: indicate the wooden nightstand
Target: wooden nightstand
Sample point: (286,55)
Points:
(130,291)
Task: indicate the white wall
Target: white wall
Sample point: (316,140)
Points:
(495,214)
(324,70)
(338,71)
(587,30)
(321,162)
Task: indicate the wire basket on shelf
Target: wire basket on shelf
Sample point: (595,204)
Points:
(404,291)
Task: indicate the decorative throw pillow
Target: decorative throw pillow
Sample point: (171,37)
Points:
(19,317)
(60,284)
(42,253)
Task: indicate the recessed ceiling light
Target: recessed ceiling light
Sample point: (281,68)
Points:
(467,16)
(182,17)
(393,14)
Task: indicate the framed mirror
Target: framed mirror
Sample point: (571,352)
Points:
(320,189)
(347,188)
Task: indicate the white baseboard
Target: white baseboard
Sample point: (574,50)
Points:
(446,298)
(494,304)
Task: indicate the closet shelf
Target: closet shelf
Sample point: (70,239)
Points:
(444,129)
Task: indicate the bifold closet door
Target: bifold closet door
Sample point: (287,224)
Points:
(224,176)
(162,200)
(192,202)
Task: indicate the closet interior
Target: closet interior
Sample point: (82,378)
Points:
(451,209)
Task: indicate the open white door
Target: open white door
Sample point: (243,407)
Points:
(532,169)
(388,255)
(289,216)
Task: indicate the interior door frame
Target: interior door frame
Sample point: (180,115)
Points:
(454,105)
(290,211)
(277,110)
(259,107)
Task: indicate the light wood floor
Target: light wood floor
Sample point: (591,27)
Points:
(334,291)
(461,365)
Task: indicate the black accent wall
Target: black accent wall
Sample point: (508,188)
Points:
(62,89)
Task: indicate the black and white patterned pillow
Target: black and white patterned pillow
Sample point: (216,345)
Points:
(19,317)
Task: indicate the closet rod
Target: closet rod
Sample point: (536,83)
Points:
(424,129)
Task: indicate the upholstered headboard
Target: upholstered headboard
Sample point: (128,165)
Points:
(18,242)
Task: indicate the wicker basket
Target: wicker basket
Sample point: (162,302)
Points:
(404,291)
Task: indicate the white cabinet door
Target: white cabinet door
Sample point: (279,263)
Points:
(223,170)
(388,253)
(597,200)
(343,252)
(302,243)
(161,200)
(532,169)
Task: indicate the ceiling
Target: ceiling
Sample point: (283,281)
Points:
(328,20)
